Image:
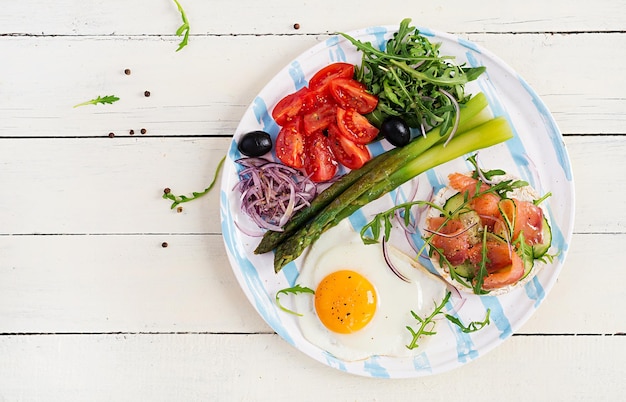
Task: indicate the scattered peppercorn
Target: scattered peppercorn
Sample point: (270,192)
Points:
(164,244)
(127,71)
(179,209)
(146,93)
(132,132)
(296,26)
(111,135)
(167,190)
(143,131)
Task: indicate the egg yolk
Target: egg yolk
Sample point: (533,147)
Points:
(345,301)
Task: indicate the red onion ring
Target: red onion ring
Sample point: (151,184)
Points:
(390,263)
(457,112)
(271,192)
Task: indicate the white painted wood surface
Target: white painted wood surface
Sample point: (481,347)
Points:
(93,308)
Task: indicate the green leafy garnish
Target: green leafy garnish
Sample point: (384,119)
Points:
(412,80)
(179,199)
(293,290)
(184,28)
(473,326)
(385,219)
(100,99)
(427,325)
(481,273)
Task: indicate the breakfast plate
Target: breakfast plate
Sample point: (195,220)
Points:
(536,154)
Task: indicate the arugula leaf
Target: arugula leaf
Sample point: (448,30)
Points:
(293,290)
(473,326)
(482,268)
(100,99)
(412,80)
(184,28)
(384,218)
(179,199)
(427,325)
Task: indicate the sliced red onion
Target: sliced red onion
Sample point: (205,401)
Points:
(457,112)
(271,192)
(481,175)
(246,231)
(451,235)
(390,263)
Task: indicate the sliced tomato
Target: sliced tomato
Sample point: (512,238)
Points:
(350,93)
(320,118)
(321,79)
(289,144)
(319,160)
(348,153)
(355,127)
(289,107)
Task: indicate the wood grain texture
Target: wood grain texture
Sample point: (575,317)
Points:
(206,88)
(93,307)
(223,17)
(95,183)
(162,367)
(130,283)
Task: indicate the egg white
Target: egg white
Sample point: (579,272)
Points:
(386,334)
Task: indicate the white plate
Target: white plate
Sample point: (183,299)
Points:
(536,154)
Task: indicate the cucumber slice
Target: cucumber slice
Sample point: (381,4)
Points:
(454,205)
(539,250)
(464,270)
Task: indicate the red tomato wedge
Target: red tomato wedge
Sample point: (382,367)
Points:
(289,107)
(355,127)
(320,118)
(289,144)
(351,94)
(319,160)
(315,99)
(348,153)
(321,79)
(307,115)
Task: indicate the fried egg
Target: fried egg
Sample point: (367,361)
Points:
(360,307)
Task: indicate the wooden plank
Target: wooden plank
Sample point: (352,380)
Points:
(206,89)
(72,17)
(100,284)
(219,367)
(93,184)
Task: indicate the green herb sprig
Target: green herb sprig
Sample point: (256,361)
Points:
(412,80)
(293,290)
(108,99)
(427,324)
(473,326)
(384,220)
(184,28)
(179,199)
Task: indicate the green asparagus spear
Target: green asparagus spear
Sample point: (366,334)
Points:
(271,238)
(473,113)
(390,176)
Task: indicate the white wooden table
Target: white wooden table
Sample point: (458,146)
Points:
(93,307)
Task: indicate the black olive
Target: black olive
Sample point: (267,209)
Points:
(255,143)
(396,131)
